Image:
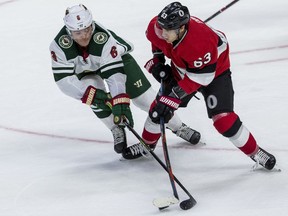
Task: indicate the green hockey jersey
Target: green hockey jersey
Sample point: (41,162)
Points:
(75,69)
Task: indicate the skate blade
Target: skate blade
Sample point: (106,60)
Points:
(276,168)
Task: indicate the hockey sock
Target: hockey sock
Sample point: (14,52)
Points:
(230,126)
(150,138)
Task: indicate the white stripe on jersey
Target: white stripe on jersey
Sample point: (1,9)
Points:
(224,45)
(203,79)
(112,67)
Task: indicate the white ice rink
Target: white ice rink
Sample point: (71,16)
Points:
(57,158)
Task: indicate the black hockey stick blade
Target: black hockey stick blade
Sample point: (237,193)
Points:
(188,204)
(165,202)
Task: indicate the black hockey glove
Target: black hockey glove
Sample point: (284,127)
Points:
(158,69)
(164,106)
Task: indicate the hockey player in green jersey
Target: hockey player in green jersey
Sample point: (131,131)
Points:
(87,58)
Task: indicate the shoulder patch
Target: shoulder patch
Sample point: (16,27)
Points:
(65,41)
(100,37)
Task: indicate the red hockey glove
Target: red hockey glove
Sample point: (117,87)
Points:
(158,69)
(163,106)
(120,105)
(96,97)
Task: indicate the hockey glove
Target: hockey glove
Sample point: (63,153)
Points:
(163,106)
(158,69)
(120,105)
(96,97)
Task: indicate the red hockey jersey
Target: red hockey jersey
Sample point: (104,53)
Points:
(197,58)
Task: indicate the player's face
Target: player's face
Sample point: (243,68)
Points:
(170,35)
(82,37)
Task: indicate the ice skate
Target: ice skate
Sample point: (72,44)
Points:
(188,134)
(120,141)
(135,151)
(264,158)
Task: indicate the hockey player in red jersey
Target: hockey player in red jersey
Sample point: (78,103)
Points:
(200,62)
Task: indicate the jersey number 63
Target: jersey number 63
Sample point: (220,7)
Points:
(202,61)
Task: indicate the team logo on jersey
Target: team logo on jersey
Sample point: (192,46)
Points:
(65,41)
(100,37)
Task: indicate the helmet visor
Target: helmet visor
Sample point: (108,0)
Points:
(158,30)
(166,34)
(81,33)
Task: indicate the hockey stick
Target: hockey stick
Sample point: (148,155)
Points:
(165,202)
(167,159)
(220,11)
(165,148)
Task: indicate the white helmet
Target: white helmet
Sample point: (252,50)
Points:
(77,17)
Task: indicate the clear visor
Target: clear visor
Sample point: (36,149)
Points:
(164,33)
(158,30)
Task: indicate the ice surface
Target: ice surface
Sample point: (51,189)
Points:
(57,159)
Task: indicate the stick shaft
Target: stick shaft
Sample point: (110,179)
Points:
(220,11)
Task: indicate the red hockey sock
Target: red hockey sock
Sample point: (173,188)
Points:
(230,126)
(150,138)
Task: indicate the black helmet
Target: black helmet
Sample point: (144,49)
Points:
(173,16)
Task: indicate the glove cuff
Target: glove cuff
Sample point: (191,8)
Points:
(170,101)
(151,63)
(89,95)
(120,99)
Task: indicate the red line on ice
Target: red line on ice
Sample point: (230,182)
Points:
(104,142)
(262,49)
(267,61)
(259,49)
(53,135)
